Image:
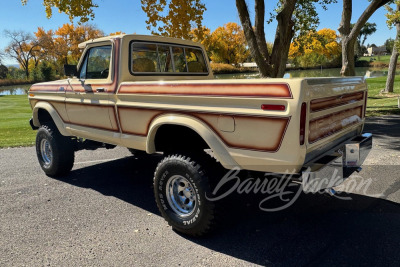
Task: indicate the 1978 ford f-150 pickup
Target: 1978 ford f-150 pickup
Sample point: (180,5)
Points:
(157,94)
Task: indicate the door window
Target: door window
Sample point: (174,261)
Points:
(97,63)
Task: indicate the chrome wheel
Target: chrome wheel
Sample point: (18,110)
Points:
(181,195)
(46,152)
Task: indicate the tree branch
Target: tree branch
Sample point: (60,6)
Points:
(375,4)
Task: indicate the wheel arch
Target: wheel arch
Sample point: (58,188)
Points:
(193,126)
(44,111)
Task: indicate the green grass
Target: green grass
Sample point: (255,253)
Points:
(382,104)
(15,113)
(378,59)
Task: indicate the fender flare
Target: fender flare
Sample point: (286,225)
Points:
(219,149)
(54,115)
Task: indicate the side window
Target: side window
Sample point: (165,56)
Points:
(157,58)
(195,60)
(144,58)
(179,59)
(97,63)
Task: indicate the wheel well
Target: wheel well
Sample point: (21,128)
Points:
(178,138)
(44,117)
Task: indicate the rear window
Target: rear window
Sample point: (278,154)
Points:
(156,59)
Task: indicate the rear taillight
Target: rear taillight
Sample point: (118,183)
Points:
(273,107)
(365,103)
(303,117)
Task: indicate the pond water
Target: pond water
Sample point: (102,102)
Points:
(14,89)
(366,72)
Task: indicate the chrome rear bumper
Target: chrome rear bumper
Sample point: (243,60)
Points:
(332,169)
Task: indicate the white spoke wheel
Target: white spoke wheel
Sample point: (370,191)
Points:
(180,189)
(54,151)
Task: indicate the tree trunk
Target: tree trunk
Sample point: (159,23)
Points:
(348,62)
(393,61)
(263,66)
(283,38)
(273,65)
(349,37)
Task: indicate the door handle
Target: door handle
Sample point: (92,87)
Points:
(100,90)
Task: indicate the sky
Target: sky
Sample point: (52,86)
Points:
(127,16)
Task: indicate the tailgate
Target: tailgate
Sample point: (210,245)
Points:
(336,112)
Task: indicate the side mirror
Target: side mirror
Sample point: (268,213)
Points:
(70,71)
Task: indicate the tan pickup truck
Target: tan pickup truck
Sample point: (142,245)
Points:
(158,94)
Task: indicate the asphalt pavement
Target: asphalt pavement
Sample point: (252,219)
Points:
(104,214)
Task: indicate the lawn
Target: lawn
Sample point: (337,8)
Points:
(382,104)
(378,59)
(14,121)
(16,112)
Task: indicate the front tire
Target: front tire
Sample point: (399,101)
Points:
(180,187)
(54,151)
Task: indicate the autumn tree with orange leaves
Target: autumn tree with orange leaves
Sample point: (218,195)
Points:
(228,44)
(173,18)
(68,37)
(315,48)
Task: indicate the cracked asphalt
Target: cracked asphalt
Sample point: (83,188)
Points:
(104,214)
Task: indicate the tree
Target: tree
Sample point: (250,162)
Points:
(367,30)
(3,71)
(228,44)
(349,34)
(315,48)
(68,37)
(389,43)
(202,36)
(393,19)
(176,21)
(293,17)
(73,8)
(21,48)
(1,56)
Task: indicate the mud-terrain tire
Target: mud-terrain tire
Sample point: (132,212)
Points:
(180,189)
(54,151)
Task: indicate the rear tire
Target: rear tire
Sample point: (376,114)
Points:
(180,189)
(54,151)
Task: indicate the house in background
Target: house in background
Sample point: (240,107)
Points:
(376,51)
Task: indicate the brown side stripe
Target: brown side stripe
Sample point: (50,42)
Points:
(278,90)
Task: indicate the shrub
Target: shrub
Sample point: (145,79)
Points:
(47,71)
(362,63)
(36,75)
(3,71)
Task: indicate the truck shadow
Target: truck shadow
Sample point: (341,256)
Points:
(386,127)
(315,230)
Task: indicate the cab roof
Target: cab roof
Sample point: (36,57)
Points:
(151,38)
